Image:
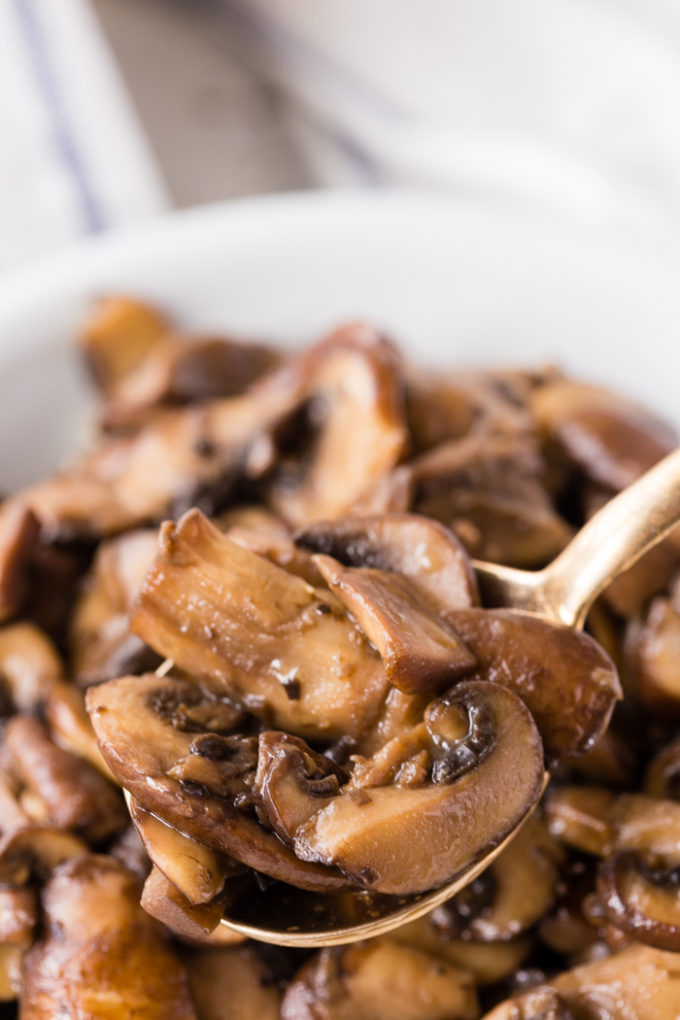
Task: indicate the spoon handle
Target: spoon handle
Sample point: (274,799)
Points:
(622,531)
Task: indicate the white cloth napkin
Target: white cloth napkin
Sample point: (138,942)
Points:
(73,160)
(571,107)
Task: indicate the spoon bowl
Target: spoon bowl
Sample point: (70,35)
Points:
(613,540)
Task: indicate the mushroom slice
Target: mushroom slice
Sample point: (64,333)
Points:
(293,781)
(487,776)
(421,652)
(11,961)
(29,665)
(566,679)
(164,901)
(521,883)
(36,850)
(429,555)
(612,440)
(72,794)
(662,776)
(232,983)
(652,656)
(638,982)
(372,980)
(600,822)
(354,406)
(198,872)
(70,725)
(490,490)
(117,336)
(641,899)
(184,369)
(19,530)
(144,728)
(488,962)
(184,457)
(101,644)
(288,651)
(100,955)
(18,916)
(540,1003)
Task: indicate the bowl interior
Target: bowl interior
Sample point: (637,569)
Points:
(454,282)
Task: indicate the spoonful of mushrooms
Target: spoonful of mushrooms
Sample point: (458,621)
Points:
(456,767)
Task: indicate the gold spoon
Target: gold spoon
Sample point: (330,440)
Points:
(627,527)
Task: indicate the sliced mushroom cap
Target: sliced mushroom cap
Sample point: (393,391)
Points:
(70,725)
(198,872)
(637,982)
(100,642)
(442,407)
(19,530)
(144,728)
(541,1003)
(184,369)
(641,899)
(100,954)
(293,781)
(117,336)
(487,777)
(600,822)
(232,984)
(164,901)
(288,651)
(489,962)
(354,407)
(520,887)
(372,980)
(566,679)
(29,665)
(192,456)
(612,440)
(653,653)
(490,491)
(430,555)
(18,916)
(11,962)
(36,850)
(71,793)
(421,652)
(662,776)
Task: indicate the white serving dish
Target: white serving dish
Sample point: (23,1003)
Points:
(455,282)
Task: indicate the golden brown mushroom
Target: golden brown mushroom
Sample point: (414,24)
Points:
(425,552)
(146,732)
(567,680)
(638,982)
(641,899)
(421,652)
(486,776)
(29,665)
(377,979)
(286,650)
(353,428)
(100,955)
(19,530)
(198,872)
(232,983)
(101,643)
(65,790)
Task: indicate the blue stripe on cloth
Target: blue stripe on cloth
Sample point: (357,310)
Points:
(63,137)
